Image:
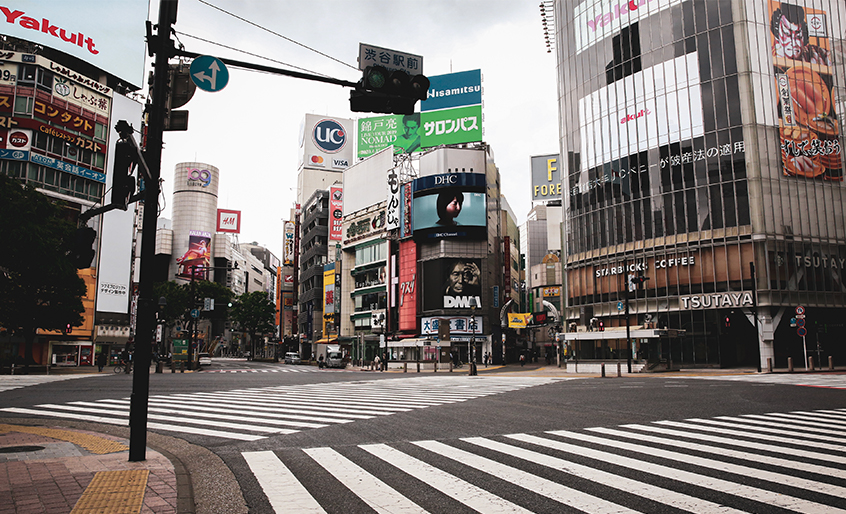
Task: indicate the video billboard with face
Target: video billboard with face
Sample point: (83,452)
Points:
(449,205)
(452,283)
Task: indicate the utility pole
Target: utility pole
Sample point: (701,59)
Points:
(162,48)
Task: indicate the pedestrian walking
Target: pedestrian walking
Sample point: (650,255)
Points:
(485,360)
(522,360)
(101,361)
(384,361)
(320,362)
(378,363)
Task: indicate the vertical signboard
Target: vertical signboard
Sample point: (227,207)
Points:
(336,213)
(546,177)
(288,249)
(803,65)
(407,294)
(328,299)
(392,212)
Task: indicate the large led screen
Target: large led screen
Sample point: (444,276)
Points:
(451,283)
(449,205)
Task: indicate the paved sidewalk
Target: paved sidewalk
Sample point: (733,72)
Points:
(45,468)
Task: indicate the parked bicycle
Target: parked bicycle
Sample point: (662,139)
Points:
(121,367)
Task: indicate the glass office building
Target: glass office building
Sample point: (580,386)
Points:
(702,143)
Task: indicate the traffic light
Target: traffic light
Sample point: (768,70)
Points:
(123,183)
(602,326)
(728,322)
(388,91)
(83,247)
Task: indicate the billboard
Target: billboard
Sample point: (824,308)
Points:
(803,65)
(326,143)
(407,286)
(116,47)
(458,325)
(228,221)
(451,283)
(289,248)
(596,20)
(546,177)
(449,205)
(453,90)
(198,256)
(336,213)
(328,299)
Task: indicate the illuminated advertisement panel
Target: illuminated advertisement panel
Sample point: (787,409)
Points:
(289,248)
(453,90)
(449,205)
(451,283)
(803,65)
(198,256)
(336,213)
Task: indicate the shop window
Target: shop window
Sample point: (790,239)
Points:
(100,131)
(23,105)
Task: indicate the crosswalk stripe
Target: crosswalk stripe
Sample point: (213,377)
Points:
(760,426)
(718,450)
(664,496)
(743,491)
(769,476)
(474,497)
(791,421)
(283,490)
(539,485)
(292,413)
(377,494)
(290,420)
(336,406)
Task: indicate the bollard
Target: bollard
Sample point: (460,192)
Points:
(830,363)
(405,367)
(769,364)
(436,366)
(159,366)
(182,367)
(450,366)
(418,366)
(811,363)
(602,367)
(790,364)
(619,374)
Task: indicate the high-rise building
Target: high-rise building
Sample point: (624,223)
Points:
(702,178)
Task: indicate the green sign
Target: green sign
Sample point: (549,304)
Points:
(180,349)
(414,132)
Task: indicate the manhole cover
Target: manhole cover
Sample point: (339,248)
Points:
(20,449)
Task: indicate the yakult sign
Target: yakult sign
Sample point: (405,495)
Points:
(597,19)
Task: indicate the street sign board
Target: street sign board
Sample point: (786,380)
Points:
(180,349)
(209,73)
(800,310)
(621,306)
(369,55)
(800,322)
(802,331)
(195,313)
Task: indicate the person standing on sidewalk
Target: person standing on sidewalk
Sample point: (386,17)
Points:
(522,359)
(101,361)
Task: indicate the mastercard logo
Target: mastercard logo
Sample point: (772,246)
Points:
(316,159)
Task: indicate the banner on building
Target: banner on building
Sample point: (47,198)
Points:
(197,258)
(288,249)
(519,319)
(336,213)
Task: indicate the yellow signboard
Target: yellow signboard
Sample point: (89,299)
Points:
(519,320)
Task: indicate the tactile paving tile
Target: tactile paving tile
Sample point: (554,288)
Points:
(92,443)
(114,492)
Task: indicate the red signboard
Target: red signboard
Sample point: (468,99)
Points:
(229,221)
(407,286)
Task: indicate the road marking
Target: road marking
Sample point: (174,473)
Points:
(380,496)
(284,492)
(474,497)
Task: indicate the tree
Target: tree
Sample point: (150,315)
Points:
(179,301)
(39,284)
(254,314)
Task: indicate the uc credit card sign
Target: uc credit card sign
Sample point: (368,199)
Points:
(453,90)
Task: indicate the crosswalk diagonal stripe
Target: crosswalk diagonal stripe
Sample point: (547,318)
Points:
(377,494)
(791,421)
(737,426)
(539,485)
(719,450)
(474,497)
(303,421)
(658,494)
(283,490)
(324,417)
(702,462)
(741,490)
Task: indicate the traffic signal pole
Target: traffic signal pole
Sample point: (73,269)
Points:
(162,48)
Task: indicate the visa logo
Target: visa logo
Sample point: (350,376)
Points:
(340,163)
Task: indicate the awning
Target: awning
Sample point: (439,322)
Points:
(639,333)
(412,342)
(327,340)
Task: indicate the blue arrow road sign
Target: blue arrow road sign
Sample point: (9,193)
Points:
(195,313)
(209,73)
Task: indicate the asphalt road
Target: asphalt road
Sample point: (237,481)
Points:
(349,441)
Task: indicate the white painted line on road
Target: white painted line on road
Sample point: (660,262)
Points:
(762,426)
(726,452)
(702,462)
(792,421)
(450,485)
(743,491)
(561,494)
(663,496)
(283,490)
(377,494)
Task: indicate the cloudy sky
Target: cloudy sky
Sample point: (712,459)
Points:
(250,129)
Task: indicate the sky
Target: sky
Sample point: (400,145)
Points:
(250,129)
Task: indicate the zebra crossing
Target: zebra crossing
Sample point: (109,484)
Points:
(827,380)
(10,382)
(792,461)
(308,369)
(257,413)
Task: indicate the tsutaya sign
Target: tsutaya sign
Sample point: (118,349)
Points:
(716,300)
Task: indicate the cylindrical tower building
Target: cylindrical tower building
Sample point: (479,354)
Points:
(194,218)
